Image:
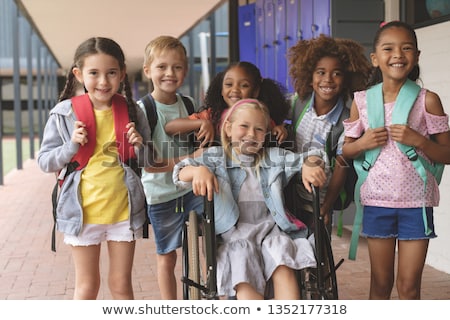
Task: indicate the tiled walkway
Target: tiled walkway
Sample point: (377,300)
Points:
(30,270)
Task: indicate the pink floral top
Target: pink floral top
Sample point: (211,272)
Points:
(393,181)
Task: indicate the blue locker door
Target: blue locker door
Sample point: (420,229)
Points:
(292,22)
(260,35)
(292,32)
(247,33)
(321,17)
(280,42)
(306,19)
(269,30)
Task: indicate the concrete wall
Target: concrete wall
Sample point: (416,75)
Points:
(434,43)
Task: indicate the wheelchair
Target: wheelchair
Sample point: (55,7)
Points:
(199,278)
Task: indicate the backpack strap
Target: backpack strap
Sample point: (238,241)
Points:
(297,111)
(150,109)
(375,112)
(299,108)
(331,150)
(188,104)
(121,119)
(84,111)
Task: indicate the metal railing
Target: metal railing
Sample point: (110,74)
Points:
(28,82)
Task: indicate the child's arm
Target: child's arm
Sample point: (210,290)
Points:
(204,129)
(280,132)
(438,147)
(335,185)
(182,125)
(313,172)
(56,152)
(204,182)
(372,138)
(167,165)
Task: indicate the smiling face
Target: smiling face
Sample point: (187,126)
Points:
(246,129)
(237,85)
(167,71)
(396,54)
(328,81)
(101,76)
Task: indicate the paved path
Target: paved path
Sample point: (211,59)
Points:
(30,270)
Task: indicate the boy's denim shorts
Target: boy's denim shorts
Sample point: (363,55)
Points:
(400,223)
(167,220)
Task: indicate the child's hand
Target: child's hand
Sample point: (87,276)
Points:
(79,134)
(313,173)
(374,138)
(325,215)
(205,133)
(405,135)
(133,136)
(280,132)
(204,182)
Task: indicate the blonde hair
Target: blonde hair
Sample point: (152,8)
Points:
(232,115)
(162,43)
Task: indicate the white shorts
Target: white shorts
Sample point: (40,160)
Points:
(93,234)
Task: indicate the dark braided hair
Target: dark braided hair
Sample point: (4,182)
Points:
(271,93)
(376,76)
(93,46)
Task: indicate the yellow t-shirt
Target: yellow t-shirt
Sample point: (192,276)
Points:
(104,195)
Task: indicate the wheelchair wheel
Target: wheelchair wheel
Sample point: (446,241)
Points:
(191,258)
(199,255)
(320,283)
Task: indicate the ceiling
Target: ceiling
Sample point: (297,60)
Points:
(64,24)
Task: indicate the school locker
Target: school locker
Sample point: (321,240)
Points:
(314,18)
(292,33)
(247,33)
(260,35)
(321,18)
(306,19)
(280,42)
(269,45)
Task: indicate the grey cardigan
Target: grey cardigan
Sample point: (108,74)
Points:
(57,150)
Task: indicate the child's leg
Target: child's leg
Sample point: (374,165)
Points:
(382,257)
(121,254)
(166,275)
(244,291)
(411,260)
(285,284)
(167,223)
(87,273)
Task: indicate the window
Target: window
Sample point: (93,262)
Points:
(421,13)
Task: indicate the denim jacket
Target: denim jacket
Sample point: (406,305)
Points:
(277,167)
